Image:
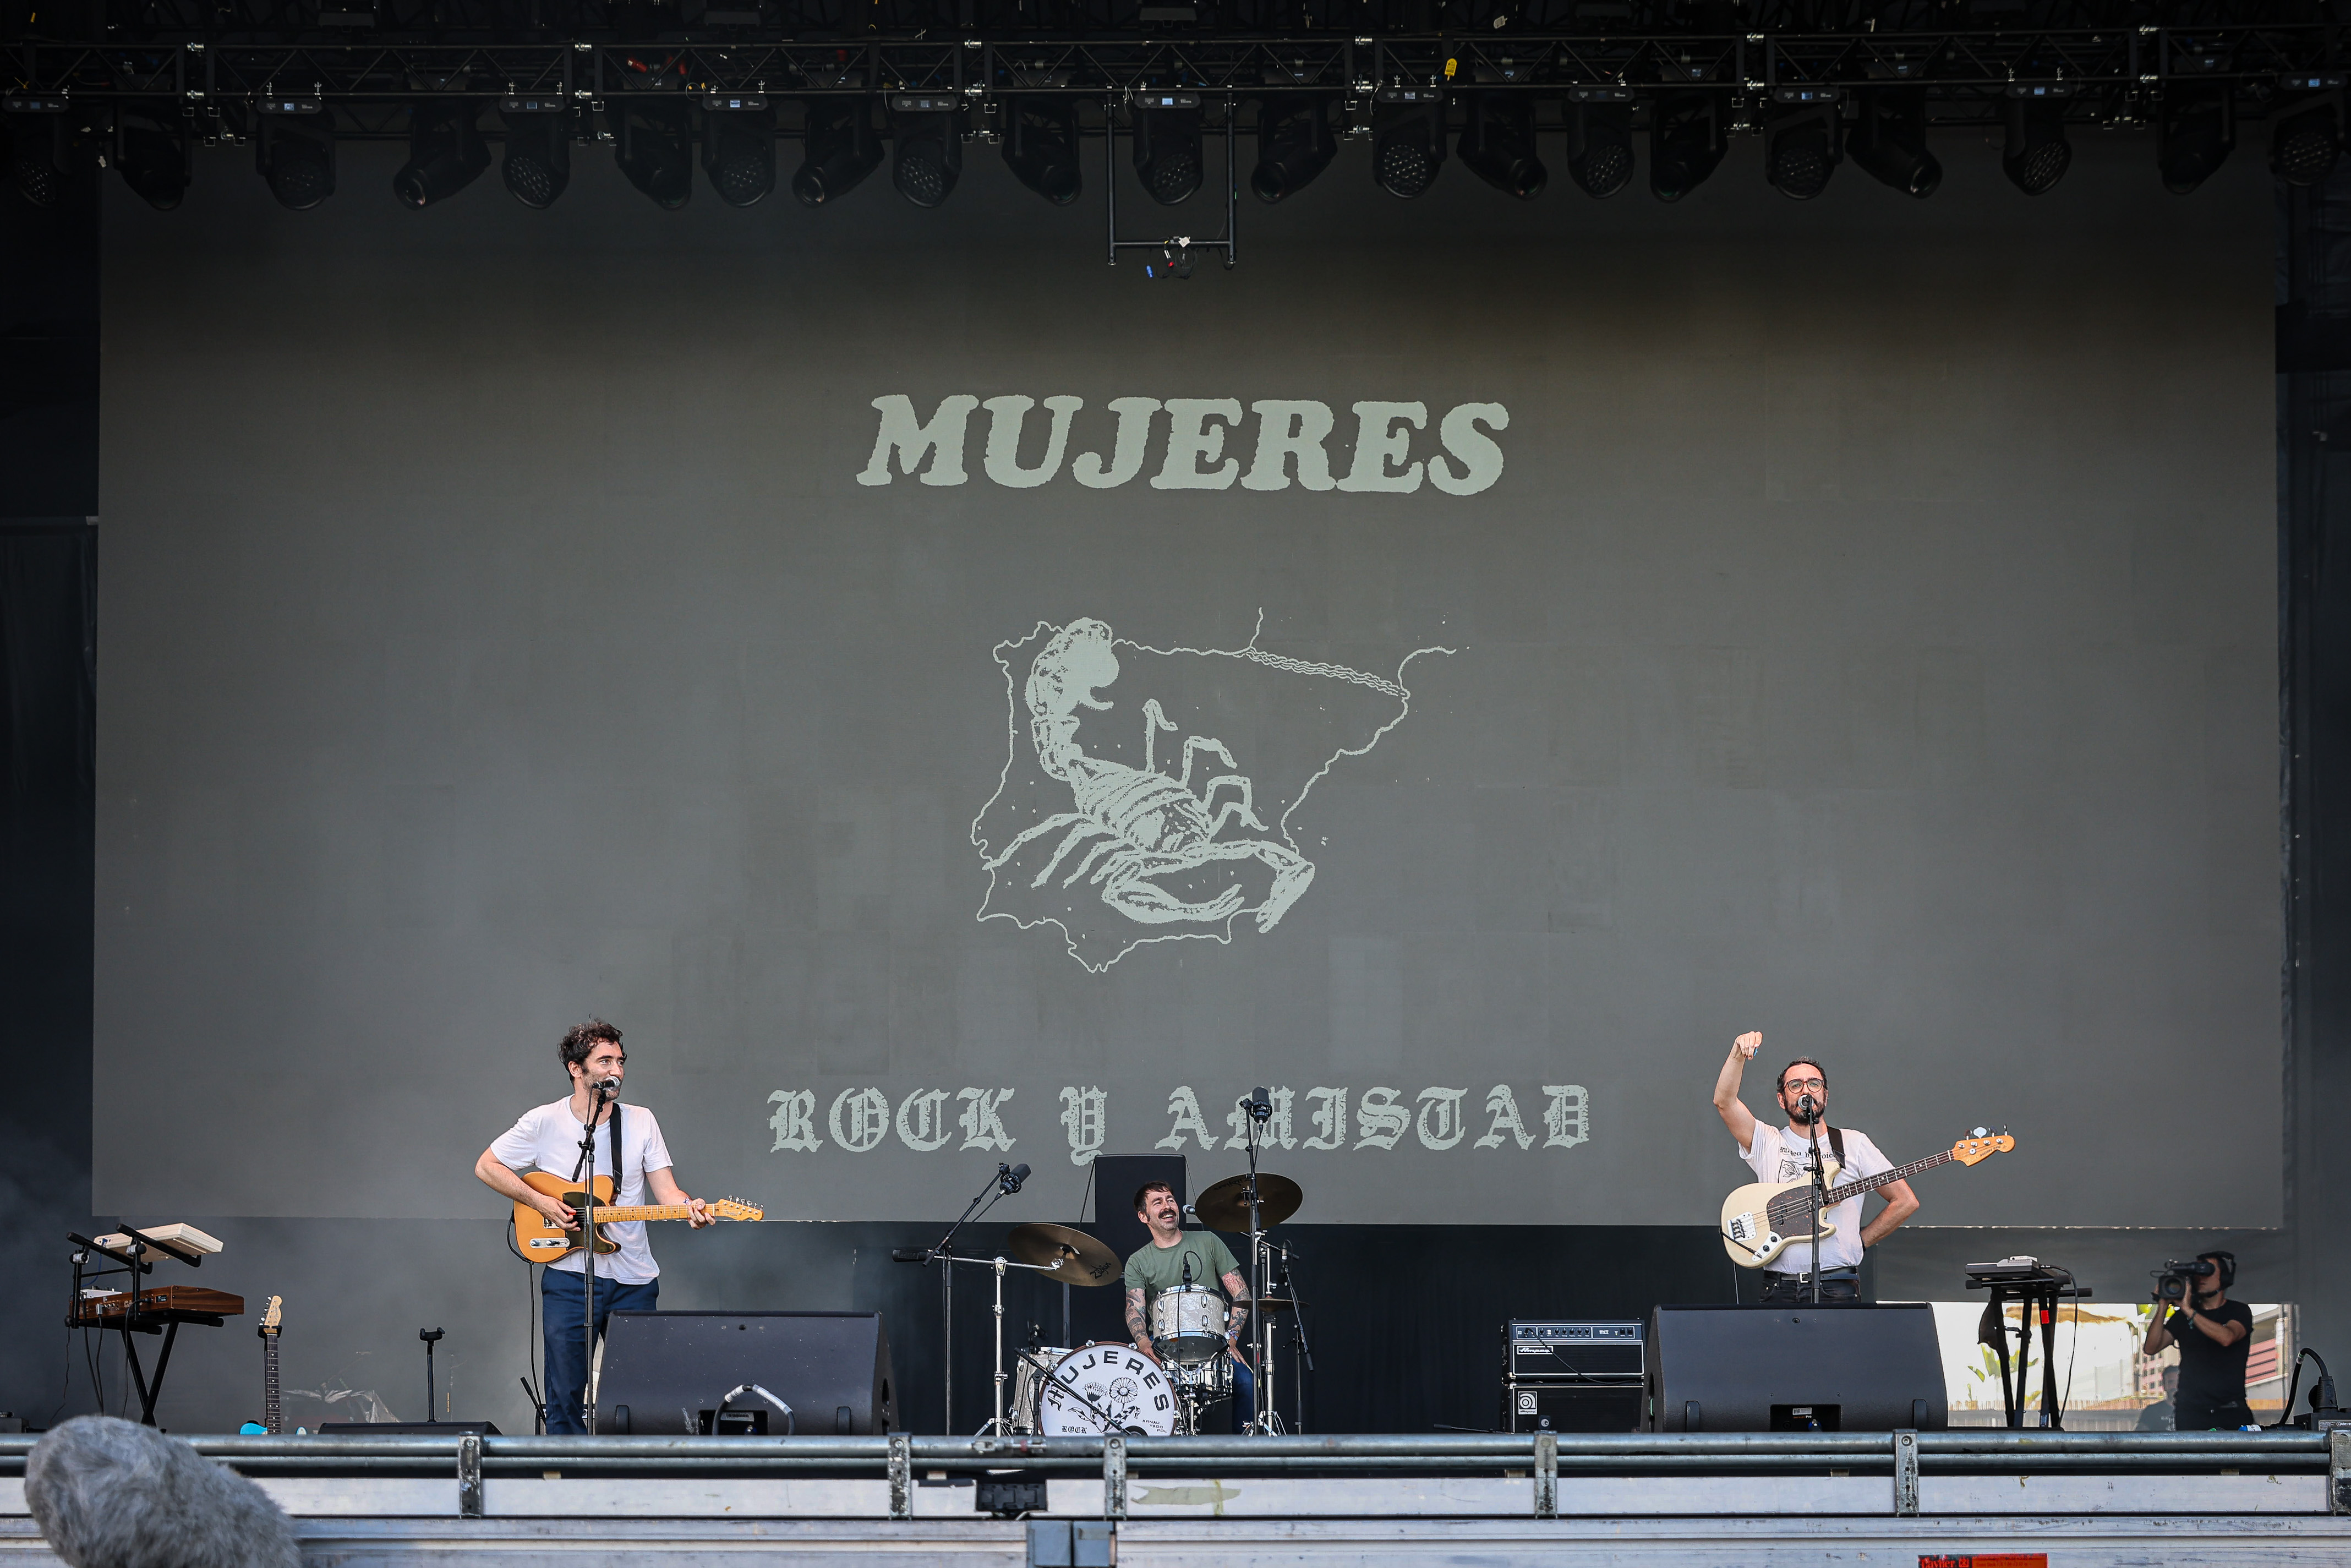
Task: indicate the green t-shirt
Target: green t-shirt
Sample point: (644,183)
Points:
(1153,1268)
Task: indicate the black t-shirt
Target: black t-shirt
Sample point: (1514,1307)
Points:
(2211,1373)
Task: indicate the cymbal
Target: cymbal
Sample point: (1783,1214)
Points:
(1087,1261)
(1274,1306)
(1225,1207)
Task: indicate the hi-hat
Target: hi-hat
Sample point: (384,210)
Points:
(1086,1261)
(1226,1207)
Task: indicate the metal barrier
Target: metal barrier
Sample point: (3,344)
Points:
(1961,1452)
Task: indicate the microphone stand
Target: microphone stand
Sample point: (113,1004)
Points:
(1261,1421)
(1820,1191)
(982,1201)
(1297,1331)
(586,1217)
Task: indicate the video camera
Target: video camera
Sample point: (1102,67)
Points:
(2171,1280)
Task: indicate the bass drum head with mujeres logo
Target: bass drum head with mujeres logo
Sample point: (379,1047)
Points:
(1105,1388)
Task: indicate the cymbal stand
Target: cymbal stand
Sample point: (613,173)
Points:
(1263,1421)
(981,1201)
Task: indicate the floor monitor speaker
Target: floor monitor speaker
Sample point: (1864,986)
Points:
(1832,1368)
(669,1373)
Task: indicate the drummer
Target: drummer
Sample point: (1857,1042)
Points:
(1162,1266)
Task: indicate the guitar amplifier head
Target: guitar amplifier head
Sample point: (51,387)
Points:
(1573,1350)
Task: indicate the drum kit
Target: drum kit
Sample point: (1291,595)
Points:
(1087,1390)
(1110,1388)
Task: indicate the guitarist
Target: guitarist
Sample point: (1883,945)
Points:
(1777,1155)
(546,1138)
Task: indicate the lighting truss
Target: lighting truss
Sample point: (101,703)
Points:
(2117,75)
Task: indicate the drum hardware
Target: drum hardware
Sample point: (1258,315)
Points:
(1254,1201)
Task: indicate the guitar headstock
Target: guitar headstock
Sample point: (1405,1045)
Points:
(272,1318)
(1980,1147)
(732,1208)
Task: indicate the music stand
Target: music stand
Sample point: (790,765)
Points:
(2038,1287)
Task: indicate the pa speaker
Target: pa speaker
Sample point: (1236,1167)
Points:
(1830,1368)
(669,1373)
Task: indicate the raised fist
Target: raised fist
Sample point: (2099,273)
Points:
(1749,1043)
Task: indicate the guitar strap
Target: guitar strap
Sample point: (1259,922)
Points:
(1836,1141)
(616,1151)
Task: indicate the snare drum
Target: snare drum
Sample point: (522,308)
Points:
(1187,1323)
(1103,1388)
(1203,1381)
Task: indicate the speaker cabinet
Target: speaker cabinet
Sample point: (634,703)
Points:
(669,1373)
(1571,1408)
(1851,1368)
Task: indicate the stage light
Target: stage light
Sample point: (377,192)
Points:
(153,154)
(1498,143)
(2037,154)
(1407,139)
(2195,132)
(537,162)
(1167,145)
(1040,146)
(46,162)
(445,151)
(1600,139)
(1294,144)
(654,145)
(926,147)
(2306,135)
(838,149)
(1888,141)
(294,149)
(738,147)
(1801,145)
(1686,142)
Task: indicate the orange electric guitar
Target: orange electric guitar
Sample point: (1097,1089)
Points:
(543,1241)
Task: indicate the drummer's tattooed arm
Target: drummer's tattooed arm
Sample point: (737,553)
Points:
(1238,1289)
(1136,1327)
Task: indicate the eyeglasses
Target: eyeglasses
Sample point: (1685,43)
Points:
(1805,1084)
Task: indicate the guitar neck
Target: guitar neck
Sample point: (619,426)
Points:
(270,1418)
(1846,1189)
(613,1214)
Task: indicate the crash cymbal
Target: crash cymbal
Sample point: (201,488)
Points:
(1225,1207)
(1089,1262)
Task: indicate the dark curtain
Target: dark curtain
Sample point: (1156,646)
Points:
(49,709)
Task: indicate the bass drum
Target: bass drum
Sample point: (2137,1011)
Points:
(1106,1388)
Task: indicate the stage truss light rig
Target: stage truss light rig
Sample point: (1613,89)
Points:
(536,164)
(738,147)
(2036,153)
(839,147)
(1167,146)
(925,146)
(1600,139)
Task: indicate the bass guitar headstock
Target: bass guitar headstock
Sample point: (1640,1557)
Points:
(1980,1145)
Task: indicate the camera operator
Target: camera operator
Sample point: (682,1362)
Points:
(2214,1335)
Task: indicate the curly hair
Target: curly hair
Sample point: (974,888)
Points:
(1779,1085)
(581,1038)
(1147,1188)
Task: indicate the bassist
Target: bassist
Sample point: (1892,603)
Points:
(1783,1155)
(547,1138)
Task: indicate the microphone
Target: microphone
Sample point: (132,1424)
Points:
(608,1086)
(1259,1104)
(1010,1177)
(908,1255)
(1187,1265)
(1808,1106)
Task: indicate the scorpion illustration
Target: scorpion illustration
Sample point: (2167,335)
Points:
(1146,823)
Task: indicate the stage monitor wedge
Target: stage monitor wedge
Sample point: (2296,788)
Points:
(1849,1368)
(670,1374)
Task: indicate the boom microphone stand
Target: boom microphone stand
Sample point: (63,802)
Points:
(1004,1182)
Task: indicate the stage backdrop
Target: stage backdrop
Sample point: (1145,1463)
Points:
(950,701)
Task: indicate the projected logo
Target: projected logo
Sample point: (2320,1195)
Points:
(1161,811)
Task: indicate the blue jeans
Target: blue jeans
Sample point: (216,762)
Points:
(1244,1394)
(562,1301)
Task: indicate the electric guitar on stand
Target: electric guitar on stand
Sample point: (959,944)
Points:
(273,1420)
(1763,1220)
(543,1241)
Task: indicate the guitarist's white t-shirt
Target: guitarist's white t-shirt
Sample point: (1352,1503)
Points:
(1777,1158)
(546,1138)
